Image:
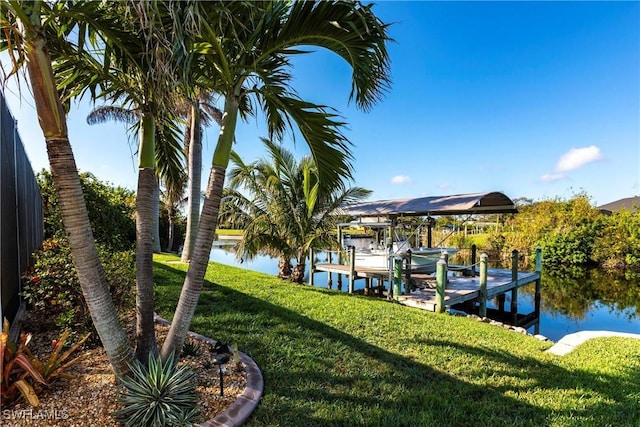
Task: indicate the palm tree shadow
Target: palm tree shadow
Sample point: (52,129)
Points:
(307,365)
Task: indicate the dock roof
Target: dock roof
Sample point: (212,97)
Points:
(458,204)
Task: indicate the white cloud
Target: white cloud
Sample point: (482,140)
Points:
(578,157)
(550,177)
(444,186)
(401,179)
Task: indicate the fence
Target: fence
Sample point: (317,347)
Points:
(21,223)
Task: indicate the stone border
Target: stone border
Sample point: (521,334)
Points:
(569,342)
(240,410)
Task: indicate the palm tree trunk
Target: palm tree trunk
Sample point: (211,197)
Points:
(284,268)
(197,267)
(145,334)
(195,180)
(156,217)
(206,230)
(298,273)
(73,207)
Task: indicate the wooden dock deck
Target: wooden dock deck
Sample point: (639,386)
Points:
(463,286)
(460,289)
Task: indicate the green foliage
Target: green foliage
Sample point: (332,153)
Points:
(285,205)
(111,211)
(52,288)
(191,348)
(459,240)
(619,242)
(158,395)
(567,230)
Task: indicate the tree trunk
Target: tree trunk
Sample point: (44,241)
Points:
(156,217)
(197,267)
(206,230)
(284,268)
(298,273)
(195,180)
(145,334)
(72,205)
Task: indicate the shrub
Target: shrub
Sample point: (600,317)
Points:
(51,287)
(111,211)
(158,395)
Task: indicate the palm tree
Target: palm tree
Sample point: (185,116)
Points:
(162,143)
(172,198)
(290,208)
(29,37)
(200,113)
(169,160)
(249,60)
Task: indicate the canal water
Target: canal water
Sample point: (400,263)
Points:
(571,301)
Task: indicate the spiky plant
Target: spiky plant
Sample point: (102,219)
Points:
(191,348)
(158,395)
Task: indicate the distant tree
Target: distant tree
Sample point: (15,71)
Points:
(289,210)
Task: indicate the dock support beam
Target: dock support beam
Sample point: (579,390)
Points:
(397,277)
(312,266)
(514,291)
(474,250)
(329,281)
(407,275)
(484,265)
(340,257)
(441,284)
(536,328)
(352,267)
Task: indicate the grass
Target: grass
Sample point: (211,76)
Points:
(335,359)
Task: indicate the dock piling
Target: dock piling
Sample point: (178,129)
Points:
(352,267)
(329,280)
(474,250)
(514,291)
(311,266)
(407,276)
(441,283)
(397,277)
(537,294)
(484,264)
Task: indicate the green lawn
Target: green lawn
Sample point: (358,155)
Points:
(335,359)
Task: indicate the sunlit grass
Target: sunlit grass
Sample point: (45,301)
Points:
(335,359)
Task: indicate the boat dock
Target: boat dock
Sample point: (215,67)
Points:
(452,286)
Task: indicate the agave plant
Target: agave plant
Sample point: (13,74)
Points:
(158,395)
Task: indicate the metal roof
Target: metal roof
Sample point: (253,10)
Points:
(459,204)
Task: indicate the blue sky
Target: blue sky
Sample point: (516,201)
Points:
(534,99)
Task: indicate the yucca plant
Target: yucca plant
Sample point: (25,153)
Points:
(158,395)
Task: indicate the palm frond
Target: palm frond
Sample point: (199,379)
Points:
(105,113)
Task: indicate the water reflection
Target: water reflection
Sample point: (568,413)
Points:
(572,300)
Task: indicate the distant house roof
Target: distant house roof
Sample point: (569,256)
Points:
(630,203)
(434,205)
